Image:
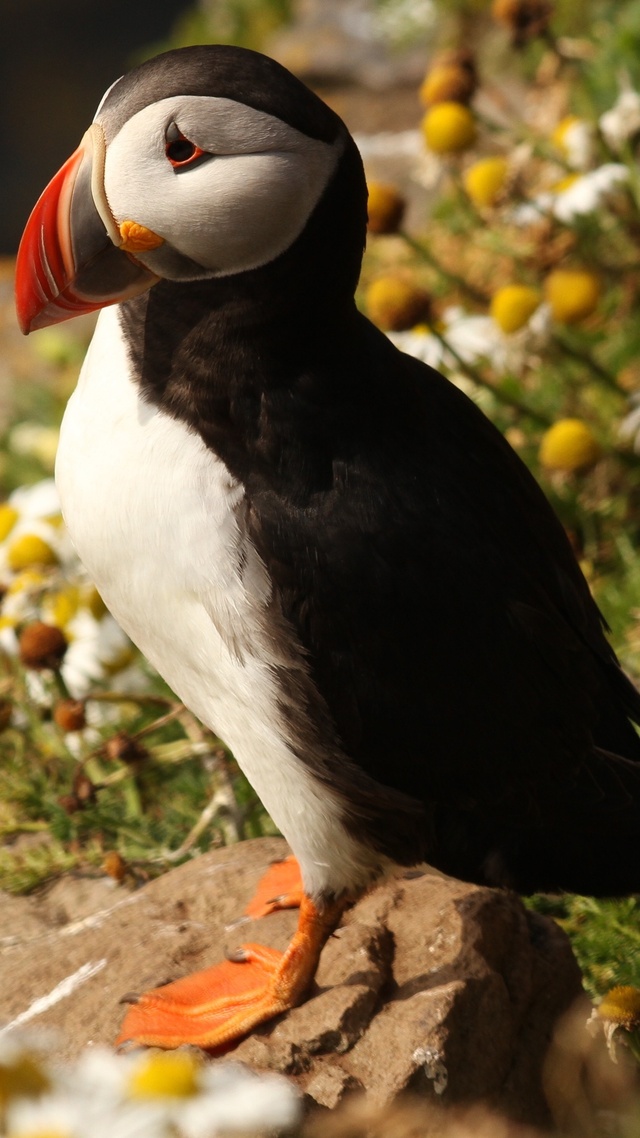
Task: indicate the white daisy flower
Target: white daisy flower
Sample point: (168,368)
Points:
(45,1116)
(587,192)
(533,211)
(100,1082)
(65,1113)
(96,648)
(43,579)
(32,532)
(38,501)
(150,1094)
(471,337)
(235,1099)
(583,195)
(622,122)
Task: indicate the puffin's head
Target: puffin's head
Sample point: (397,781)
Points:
(204,162)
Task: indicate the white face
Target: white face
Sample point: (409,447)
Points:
(231,211)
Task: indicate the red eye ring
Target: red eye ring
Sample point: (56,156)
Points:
(181,151)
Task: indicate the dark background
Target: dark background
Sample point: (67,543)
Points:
(57,57)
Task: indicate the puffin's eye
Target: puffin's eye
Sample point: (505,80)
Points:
(180,150)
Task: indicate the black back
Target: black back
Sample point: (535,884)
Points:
(448,630)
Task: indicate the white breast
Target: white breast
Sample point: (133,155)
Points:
(156,519)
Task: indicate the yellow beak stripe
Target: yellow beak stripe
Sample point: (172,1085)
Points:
(137,238)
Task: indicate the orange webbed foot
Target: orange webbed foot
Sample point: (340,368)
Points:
(215,1008)
(279,888)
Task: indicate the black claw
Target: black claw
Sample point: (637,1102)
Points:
(130,998)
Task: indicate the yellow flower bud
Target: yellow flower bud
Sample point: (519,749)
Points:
(62,606)
(395,304)
(165,1074)
(569,445)
(484,181)
(448,128)
(572,293)
(622,1006)
(29,549)
(8,518)
(386,207)
(513,305)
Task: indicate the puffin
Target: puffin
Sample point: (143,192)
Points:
(329,553)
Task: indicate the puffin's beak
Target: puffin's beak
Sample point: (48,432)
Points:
(73,257)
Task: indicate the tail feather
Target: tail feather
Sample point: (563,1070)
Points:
(589,841)
(580,835)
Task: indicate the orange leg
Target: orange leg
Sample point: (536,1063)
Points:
(279,888)
(216,1008)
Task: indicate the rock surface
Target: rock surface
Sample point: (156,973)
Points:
(430,985)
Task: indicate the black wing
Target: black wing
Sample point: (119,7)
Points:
(447,624)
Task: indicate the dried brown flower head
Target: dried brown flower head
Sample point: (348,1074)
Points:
(123,748)
(42,646)
(452,76)
(525,19)
(395,304)
(386,208)
(115,866)
(84,790)
(69,714)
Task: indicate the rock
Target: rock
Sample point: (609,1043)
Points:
(68,973)
(432,986)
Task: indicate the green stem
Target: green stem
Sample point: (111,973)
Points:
(132,799)
(625,930)
(23,828)
(124,697)
(432,260)
(502,396)
(60,685)
(587,361)
(175,713)
(178,751)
